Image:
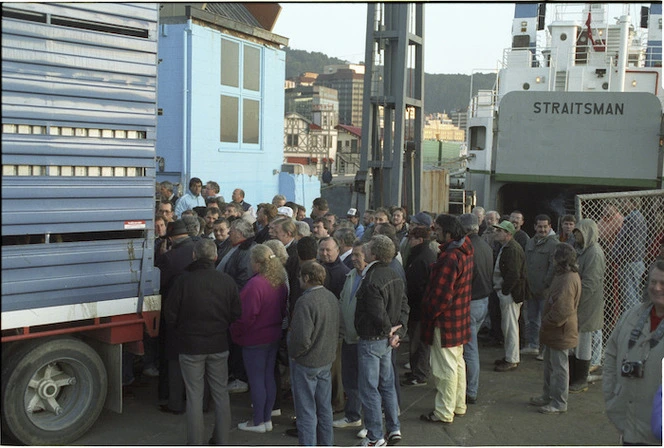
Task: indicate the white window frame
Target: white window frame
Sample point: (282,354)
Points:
(242,94)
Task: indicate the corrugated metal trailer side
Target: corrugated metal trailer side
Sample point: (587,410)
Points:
(79,99)
(78,148)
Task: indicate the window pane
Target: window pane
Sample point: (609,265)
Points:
(230,63)
(252,68)
(229,124)
(250,109)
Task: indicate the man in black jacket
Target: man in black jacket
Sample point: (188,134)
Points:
(417,277)
(479,303)
(202,305)
(336,270)
(381,316)
(171,264)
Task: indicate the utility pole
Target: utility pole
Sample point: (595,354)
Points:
(393,91)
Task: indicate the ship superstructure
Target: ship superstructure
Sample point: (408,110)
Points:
(577,107)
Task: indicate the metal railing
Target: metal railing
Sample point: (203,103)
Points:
(631,233)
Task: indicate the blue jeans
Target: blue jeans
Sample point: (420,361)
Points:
(312,393)
(376,382)
(534,310)
(214,368)
(349,372)
(259,361)
(479,309)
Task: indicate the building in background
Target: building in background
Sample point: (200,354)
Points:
(349,142)
(220,96)
(310,144)
(310,101)
(438,126)
(348,81)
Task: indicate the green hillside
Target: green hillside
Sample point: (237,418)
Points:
(443,93)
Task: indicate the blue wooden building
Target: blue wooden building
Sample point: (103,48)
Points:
(221,97)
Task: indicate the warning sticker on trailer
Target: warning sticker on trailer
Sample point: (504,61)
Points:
(132,225)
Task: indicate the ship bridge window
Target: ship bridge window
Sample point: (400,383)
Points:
(477,138)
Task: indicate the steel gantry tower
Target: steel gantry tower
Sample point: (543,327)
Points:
(390,159)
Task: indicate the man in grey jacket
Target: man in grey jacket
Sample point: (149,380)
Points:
(633,367)
(539,271)
(592,265)
(312,346)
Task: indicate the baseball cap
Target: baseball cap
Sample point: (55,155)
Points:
(286,211)
(352,212)
(506,226)
(421,218)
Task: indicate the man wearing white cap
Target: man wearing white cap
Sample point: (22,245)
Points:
(354,216)
(285,211)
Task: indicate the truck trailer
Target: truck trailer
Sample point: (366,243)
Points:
(79,286)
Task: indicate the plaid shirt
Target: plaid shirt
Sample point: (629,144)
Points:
(446,301)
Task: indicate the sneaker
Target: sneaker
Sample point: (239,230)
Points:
(506,366)
(539,401)
(548,409)
(237,387)
(268,426)
(471,400)
(412,381)
(379,442)
(276,412)
(345,423)
(151,372)
(248,426)
(362,433)
(593,368)
(529,351)
(394,437)
(540,357)
(595,376)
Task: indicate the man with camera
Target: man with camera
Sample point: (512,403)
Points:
(633,364)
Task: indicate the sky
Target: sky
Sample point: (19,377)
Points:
(458,38)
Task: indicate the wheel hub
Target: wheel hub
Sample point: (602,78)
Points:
(44,389)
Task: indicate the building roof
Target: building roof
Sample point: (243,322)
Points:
(350,129)
(233,11)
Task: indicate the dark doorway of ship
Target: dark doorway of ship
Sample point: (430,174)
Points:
(555,200)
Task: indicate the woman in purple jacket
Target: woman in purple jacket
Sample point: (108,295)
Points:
(258,332)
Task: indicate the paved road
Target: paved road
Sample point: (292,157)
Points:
(500,417)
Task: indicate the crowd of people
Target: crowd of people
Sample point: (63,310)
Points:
(252,292)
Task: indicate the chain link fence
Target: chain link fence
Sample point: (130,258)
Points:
(631,233)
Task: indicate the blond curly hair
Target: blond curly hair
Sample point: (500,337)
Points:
(269,266)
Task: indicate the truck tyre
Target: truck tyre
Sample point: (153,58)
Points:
(52,391)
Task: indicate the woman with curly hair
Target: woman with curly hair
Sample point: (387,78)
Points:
(258,331)
(559,331)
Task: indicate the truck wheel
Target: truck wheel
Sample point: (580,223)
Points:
(52,392)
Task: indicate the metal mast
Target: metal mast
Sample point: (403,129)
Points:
(392,107)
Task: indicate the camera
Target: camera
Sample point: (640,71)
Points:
(632,369)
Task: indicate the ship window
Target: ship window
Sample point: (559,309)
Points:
(563,37)
(526,86)
(477,138)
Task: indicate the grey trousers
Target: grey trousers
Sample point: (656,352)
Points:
(214,368)
(556,377)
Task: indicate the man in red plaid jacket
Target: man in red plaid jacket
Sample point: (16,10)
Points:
(446,318)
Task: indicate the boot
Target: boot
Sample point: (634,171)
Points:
(580,382)
(570,362)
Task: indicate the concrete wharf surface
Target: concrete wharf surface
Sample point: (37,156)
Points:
(501,416)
